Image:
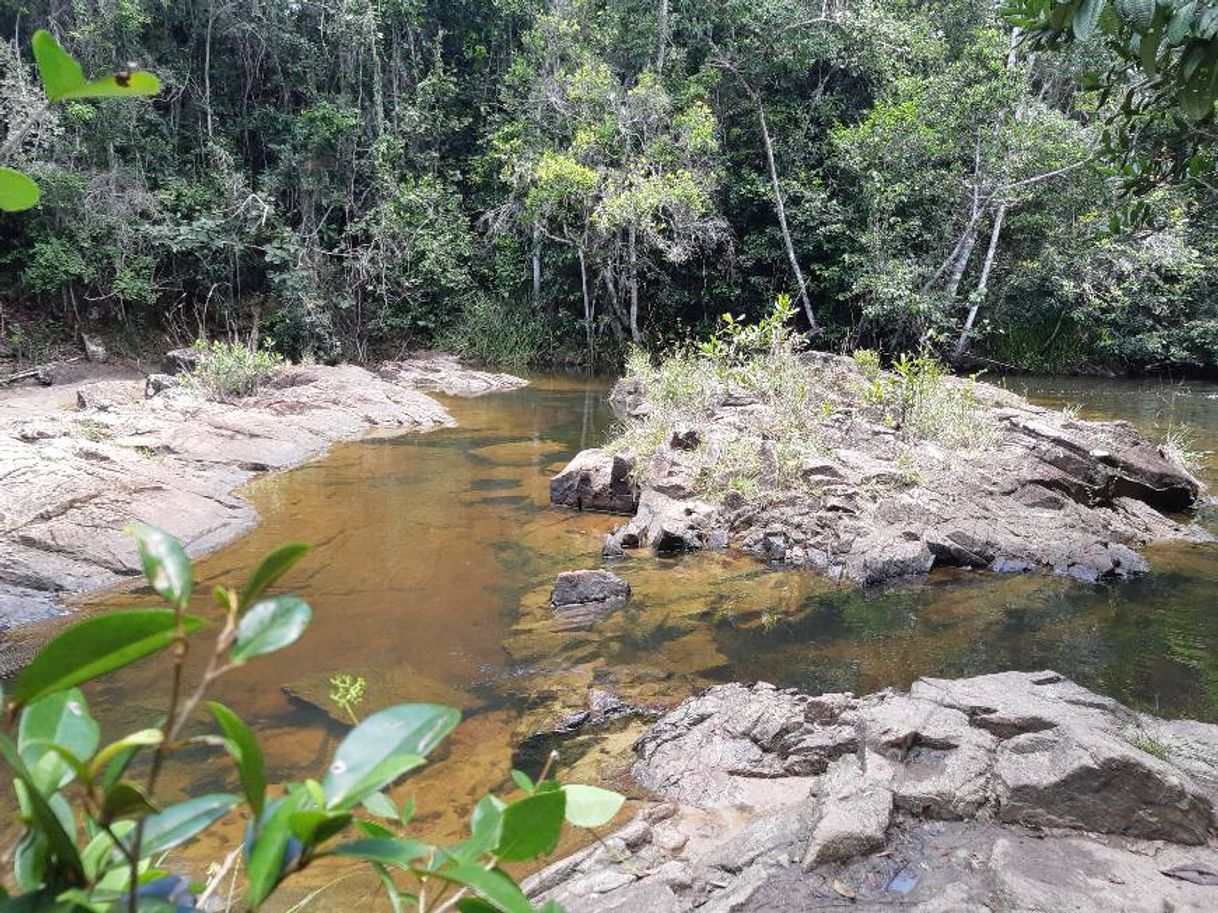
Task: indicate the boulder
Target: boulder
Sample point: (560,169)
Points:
(159,383)
(181,361)
(597,480)
(95,350)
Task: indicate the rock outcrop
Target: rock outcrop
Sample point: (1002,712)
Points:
(73,479)
(438,372)
(1044,490)
(1007,792)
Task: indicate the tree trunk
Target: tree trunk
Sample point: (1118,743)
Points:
(780,210)
(662,36)
(537,266)
(982,282)
(970,241)
(588,306)
(635,336)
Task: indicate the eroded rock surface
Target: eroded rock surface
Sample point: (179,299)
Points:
(85,459)
(1008,792)
(442,373)
(581,597)
(1042,489)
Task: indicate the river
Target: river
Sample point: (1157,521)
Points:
(434,556)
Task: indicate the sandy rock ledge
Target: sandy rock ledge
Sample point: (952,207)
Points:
(1007,792)
(77,462)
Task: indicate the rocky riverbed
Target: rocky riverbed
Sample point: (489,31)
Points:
(79,460)
(1006,792)
(844,481)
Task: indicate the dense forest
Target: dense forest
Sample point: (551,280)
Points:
(547,180)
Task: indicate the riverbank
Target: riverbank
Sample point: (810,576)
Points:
(1013,792)
(81,459)
(833,464)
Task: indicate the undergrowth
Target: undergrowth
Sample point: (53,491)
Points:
(228,370)
(789,398)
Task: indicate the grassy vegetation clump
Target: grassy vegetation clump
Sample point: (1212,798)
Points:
(794,407)
(228,370)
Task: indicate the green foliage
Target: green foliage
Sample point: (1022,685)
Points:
(230,369)
(92,833)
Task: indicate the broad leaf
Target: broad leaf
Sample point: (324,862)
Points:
(17,191)
(395,851)
(98,646)
(179,823)
(382,748)
(60,719)
(59,70)
(489,884)
(58,841)
(523,780)
(381,806)
(125,800)
(243,746)
(270,625)
(144,738)
(277,563)
(531,826)
(314,827)
(63,78)
(591,806)
(165,562)
(269,853)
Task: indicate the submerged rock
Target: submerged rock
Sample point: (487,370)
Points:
(866,502)
(581,597)
(1017,791)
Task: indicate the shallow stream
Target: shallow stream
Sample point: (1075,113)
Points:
(435,554)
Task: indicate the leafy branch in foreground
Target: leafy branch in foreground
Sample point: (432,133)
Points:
(94,830)
(63,79)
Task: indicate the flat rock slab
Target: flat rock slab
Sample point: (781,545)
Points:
(80,461)
(1009,792)
(1042,489)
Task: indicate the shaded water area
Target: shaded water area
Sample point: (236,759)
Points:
(433,564)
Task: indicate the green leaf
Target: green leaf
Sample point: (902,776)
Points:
(490,884)
(531,826)
(179,823)
(63,78)
(145,738)
(277,563)
(59,70)
(17,191)
(476,905)
(60,719)
(98,646)
(243,746)
(382,748)
(395,851)
(125,800)
(270,625)
(120,85)
(165,563)
(1181,22)
(379,805)
(591,806)
(522,780)
(59,842)
(314,827)
(269,850)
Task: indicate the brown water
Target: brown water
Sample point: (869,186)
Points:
(434,556)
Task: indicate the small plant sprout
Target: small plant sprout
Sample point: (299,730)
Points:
(347,693)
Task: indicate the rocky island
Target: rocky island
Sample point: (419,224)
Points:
(833,464)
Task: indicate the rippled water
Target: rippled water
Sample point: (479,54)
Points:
(435,553)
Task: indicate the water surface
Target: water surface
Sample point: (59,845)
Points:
(434,555)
